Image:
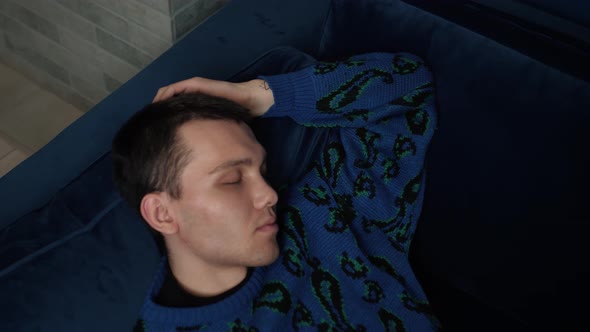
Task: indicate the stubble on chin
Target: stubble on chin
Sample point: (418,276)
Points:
(269,257)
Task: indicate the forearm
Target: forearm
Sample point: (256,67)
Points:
(361,92)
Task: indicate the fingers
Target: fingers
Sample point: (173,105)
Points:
(231,91)
(163,93)
(190,85)
(198,84)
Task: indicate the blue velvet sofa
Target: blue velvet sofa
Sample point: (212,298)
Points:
(502,240)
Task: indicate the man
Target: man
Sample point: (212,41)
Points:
(334,256)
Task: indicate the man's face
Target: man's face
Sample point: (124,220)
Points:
(225,211)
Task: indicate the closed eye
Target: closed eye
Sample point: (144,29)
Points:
(232,179)
(238,181)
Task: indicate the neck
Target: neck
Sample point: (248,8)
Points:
(202,279)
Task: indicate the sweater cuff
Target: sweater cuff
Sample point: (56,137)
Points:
(291,91)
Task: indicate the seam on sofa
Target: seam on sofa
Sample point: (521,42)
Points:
(253,62)
(56,243)
(258,59)
(66,183)
(320,48)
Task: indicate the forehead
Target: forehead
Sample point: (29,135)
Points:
(215,141)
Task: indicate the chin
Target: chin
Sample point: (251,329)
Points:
(268,258)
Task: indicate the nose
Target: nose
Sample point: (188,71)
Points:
(264,195)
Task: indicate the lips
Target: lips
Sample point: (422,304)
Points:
(269,226)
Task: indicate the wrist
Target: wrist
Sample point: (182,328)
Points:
(261,96)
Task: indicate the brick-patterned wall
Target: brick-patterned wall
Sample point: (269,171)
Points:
(82,50)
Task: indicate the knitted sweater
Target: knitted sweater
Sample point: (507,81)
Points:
(347,223)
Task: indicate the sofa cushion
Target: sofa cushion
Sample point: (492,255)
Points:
(84,258)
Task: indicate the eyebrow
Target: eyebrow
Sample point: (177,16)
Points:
(235,163)
(232,163)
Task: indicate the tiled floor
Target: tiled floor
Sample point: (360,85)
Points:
(29,117)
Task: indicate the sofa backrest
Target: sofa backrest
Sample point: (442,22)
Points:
(505,212)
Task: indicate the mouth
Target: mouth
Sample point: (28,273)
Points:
(269,226)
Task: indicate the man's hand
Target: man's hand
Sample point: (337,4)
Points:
(254,95)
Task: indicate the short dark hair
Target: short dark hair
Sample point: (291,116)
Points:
(148,154)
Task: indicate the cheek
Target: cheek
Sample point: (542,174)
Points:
(232,195)
(217,220)
(223,204)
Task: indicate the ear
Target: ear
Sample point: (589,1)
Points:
(157,211)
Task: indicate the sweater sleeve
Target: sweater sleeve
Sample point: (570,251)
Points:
(381,110)
(365,91)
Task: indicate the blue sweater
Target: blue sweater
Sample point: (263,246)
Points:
(347,223)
